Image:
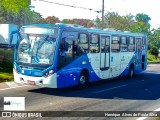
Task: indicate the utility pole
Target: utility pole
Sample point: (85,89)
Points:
(102,13)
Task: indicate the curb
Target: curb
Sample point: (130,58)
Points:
(153,62)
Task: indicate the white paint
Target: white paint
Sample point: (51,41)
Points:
(50,81)
(109,89)
(142,118)
(11,84)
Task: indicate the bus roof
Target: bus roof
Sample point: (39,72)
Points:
(39,25)
(100,31)
(90,30)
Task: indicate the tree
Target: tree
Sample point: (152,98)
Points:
(141,17)
(2,15)
(98,23)
(154,41)
(84,22)
(115,21)
(141,24)
(31,17)
(15,6)
(52,20)
(17,14)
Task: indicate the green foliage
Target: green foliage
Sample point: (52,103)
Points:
(141,25)
(5,77)
(6,67)
(84,22)
(141,17)
(137,24)
(31,17)
(52,20)
(152,58)
(114,20)
(15,6)
(98,23)
(17,12)
(154,41)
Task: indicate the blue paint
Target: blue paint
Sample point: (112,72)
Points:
(69,75)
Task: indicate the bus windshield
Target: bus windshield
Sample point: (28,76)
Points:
(37,49)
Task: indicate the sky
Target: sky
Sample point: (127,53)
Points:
(123,7)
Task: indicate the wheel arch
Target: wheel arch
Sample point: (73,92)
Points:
(131,66)
(131,70)
(86,71)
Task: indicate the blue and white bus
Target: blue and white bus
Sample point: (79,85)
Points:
(58,55)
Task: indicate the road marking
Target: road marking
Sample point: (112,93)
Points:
(11,84)
(13,87)
(142,118)
(109,89)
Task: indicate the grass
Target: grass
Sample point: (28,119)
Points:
(6,67)
(6,77)
(152,58)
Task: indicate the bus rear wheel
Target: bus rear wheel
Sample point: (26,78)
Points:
(83,80)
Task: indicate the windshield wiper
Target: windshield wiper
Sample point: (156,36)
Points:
(40,45)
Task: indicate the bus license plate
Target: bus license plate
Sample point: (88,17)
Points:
(31,82)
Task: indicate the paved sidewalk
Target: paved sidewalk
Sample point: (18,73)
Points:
(3,85)
(9,85)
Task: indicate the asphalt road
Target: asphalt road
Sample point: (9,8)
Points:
(141,93)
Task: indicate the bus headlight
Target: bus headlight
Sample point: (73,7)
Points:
(50,72)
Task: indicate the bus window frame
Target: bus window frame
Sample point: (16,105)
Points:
(87,35)
(137,49)
(94,43)
(143,43)
(115,50)
(128,43)
(108,45)
(122,44)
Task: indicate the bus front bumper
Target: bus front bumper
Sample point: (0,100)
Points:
(50,81)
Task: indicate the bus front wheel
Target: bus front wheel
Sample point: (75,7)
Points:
(82,83)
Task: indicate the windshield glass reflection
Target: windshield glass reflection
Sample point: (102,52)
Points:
(36,49)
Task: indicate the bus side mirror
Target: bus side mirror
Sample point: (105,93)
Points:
(11,39)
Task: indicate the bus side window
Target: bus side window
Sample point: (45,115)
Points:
(83,45)
(94,43)
(105,44)
(115,44)
(143,43)
(138,44)
(131,44)
(123,44)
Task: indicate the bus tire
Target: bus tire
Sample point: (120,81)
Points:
(131,71)
(83,80)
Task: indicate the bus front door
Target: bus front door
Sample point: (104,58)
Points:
(138,54)
(105,56)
